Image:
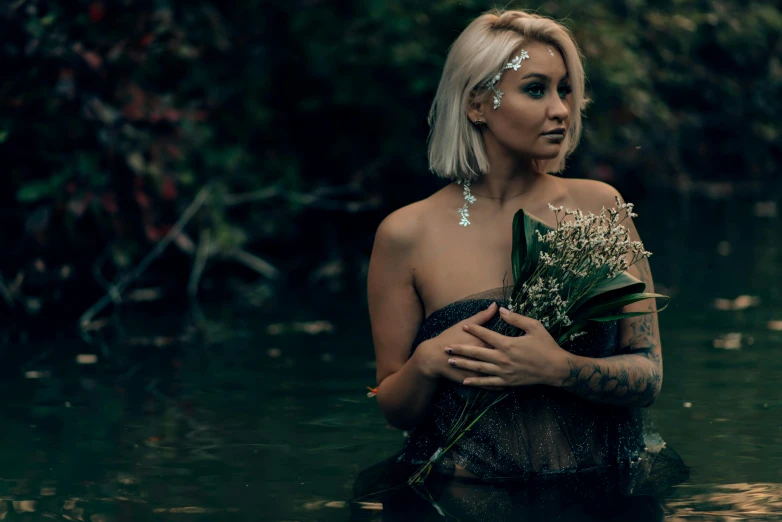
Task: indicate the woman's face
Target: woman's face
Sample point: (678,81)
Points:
(535,101)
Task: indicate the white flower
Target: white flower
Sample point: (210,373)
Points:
(579,254)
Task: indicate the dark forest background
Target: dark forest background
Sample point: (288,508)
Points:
(155,151)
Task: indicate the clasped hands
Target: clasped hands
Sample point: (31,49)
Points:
(533,358)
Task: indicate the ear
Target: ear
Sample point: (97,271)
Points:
(475,108)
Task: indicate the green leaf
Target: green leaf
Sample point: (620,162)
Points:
(526,249)
(33,191)
(609,305)
(623,301)
(608,291)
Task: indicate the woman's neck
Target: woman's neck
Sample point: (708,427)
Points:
(504,183)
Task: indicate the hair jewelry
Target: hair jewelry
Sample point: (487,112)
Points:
(492,82)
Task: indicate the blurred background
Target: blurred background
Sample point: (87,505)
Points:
(189,201)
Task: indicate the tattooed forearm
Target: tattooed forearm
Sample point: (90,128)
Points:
(634,375)
(624,379)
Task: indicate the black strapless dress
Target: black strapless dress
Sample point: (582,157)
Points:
(540,454)
(540,439)
(539,432)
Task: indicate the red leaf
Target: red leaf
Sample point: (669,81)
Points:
(92,58)
(109,202)
(96,11)
(133,111)
(172,114)
(168,190)
(135,107)
(142,199)
(197,115)
(153,233)
(174,151)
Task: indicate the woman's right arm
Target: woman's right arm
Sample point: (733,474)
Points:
(405,387)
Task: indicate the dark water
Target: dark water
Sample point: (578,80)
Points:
(245,420)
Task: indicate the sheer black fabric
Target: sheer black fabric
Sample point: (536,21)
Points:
(540,433)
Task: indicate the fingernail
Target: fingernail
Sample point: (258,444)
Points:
(504,310)
(491,305)
(449,350)
(466,382)
(452,362)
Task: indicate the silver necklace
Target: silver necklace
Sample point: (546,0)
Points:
(469,199)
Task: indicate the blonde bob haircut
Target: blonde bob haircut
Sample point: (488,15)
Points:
(456,150)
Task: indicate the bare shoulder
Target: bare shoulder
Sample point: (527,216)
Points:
(402,227)
(592,195)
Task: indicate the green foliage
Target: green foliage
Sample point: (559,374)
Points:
(128,108)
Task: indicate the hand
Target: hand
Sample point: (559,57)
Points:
(533,358)
(432,361)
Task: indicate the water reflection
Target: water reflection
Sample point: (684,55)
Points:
(235,421)
(593,499)
(481,504)
(728,503)
(716,503)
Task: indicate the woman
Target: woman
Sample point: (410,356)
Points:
(506,115)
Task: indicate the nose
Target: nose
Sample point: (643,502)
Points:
(559,109)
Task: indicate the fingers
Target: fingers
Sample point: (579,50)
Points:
(484,334)
(476,352)
(458,375)
(484,381)
(481,367)
(525,323)
(484,315)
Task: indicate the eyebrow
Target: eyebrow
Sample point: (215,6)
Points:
(541,76)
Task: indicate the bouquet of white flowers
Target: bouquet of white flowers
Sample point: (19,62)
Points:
(564,277)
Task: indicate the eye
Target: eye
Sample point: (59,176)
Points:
(535,90)
(564,90)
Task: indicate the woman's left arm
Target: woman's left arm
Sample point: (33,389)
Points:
(635,376)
